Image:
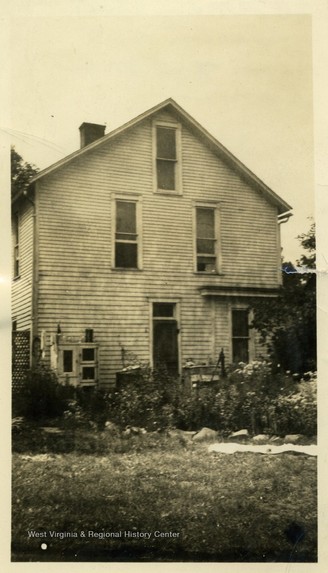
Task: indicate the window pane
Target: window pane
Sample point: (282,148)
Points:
(206,246)
(166,145)
(88,354)
(126,217)
(88,335)
(240,350)
(88,373)
(16,244)
(206,264)
(126,255)
(165,309)
(205,223)
(16,228)
(240,323)
(165,174)
(125,237)
(68,360)
(16,262)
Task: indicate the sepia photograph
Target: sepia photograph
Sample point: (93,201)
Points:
(163,287)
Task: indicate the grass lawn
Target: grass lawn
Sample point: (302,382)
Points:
(243,507)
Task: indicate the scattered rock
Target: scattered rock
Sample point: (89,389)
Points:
(260,439)
(134,431)
(137,431)
(205,434)
(42,458)
(18,424)
(181,434)
(126,432)
(294,439)
(52,430)
(240,436)
(111,427)
(275,440)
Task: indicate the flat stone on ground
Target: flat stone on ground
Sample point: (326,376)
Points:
(52,430)
(240,436)
(294,439)
(205,434)
(260,439)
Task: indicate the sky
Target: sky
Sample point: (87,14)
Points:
(246,78)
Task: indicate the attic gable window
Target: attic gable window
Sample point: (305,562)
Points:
(207,244)
(127,238)
(167,158)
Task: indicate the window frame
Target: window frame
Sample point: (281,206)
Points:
(215,206)
(60,361)
(65,372)
(88,364)
(178,163)
(16,245)
(176,301)
(251,335)
(137,200)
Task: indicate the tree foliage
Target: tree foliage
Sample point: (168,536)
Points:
(21,172)
(288,323)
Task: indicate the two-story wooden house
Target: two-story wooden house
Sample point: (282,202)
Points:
(150,240)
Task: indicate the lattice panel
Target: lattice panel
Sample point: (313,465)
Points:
(20,356)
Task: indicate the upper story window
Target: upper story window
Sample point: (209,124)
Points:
(167,167)
(16,244)
(207,239)
(127,239)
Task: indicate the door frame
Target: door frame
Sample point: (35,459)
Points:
(177,317)
(234,305)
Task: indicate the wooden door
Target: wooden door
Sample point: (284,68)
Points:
(165,345)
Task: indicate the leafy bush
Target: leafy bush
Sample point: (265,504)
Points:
(288,323)
(196,410)
(40,395)
(145,399)
(296,412)
(92,405)
(252,397)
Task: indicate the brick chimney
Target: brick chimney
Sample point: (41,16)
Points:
(90,132)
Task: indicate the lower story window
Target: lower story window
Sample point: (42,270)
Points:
(77,364)
(67,361)
(88,373)
(240,336)
(88,364)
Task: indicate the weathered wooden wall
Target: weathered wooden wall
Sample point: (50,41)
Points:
(78,286)
(23,284)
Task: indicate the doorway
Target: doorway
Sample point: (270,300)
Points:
(165,337)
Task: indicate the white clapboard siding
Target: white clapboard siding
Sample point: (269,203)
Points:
(78,287)
(22,285)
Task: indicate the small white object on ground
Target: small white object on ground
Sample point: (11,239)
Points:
(228,448)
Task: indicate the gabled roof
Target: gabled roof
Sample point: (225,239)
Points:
(221,151)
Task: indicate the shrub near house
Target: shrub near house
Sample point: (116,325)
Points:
(251,397)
